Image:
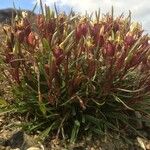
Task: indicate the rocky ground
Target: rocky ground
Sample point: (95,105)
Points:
(18,140)
(13,138)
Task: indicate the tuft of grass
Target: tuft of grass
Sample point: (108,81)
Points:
(72,75)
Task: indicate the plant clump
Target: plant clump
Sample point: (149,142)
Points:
(73,74)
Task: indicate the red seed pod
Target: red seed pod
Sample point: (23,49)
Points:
(40,19)
(81,30)
(26,22)
(51,26)
(129,40)
(20,35)
(58,54)
(27,30)
(51,70)
(99,40)
(135,60)
(61,20)
(115,26)
(31,40)
(95,29)
(84,29)
(109,49)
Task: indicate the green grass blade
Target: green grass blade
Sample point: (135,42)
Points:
(75,131)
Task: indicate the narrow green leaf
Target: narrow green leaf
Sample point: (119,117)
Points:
(3,102)
(42,108)
(99,104)
(56,11)
(130,91)
(120,101)
(67,39)
(45,133)
(75,131)
(7,110)
(46,45)
(133,49)
(112,12)
(41,5)
(16,48)
(34,8)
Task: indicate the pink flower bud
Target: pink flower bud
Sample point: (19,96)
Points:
(135,60)
(109,49)
(95,29)
(129,40)
(115,27)
(81,30)
(99,40)
(31,40)
(20,36)
(58,54)
(40,19)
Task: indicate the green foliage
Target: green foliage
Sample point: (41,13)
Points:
(72,74)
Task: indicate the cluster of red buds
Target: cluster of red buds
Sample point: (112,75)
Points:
(76,47)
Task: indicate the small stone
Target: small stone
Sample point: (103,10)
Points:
(148,146)
(141,143)
(16,140)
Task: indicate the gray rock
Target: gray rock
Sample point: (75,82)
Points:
(7,14)
(20,140)
(16,140)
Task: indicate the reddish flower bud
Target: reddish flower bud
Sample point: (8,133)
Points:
(96,32)
(129,40)
(51,69)
(135,60)
(27,30)
(20,36)
(81,30)
(95,29)
(31,40)
(99,40)
(12,60)
(58,54)
(51,26)
(26,22)
(115,27)
(40,19)
(109,49)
